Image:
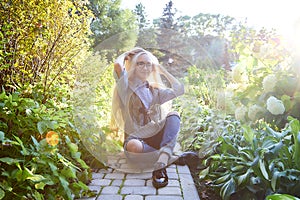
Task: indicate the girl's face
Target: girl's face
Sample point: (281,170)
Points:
(143,67)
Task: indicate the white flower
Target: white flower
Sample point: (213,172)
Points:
(269,83)
(275,106)
(239,74)
(240,113)
(253,111)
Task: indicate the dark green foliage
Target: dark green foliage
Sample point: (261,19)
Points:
(255,163)
(32,166)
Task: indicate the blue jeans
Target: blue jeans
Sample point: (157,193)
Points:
(166,137)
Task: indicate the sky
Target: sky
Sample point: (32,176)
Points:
(279,14)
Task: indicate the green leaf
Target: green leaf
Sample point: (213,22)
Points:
(2,136)
(42,127)
(2,95)
(36,143)
(281,197)
(203,173)
(38,196)
(65,185)
(10,161)
(222,179)
(2,194)
(80,185)
(24,150)
(243,178)
(228,189)
(36,178)
(248,134)
(274,180)
(73,147)
(263,169)
(274,133)
(39,186)
(295,128)
(53,168)
(68,172)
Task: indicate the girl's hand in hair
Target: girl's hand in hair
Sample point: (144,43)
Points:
(131,53)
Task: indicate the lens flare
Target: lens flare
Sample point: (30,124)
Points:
(52,138)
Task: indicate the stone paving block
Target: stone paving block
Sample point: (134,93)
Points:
(101,182)
(139,176)
(183,169)
(161,197)
(117,182)
(87,198)
(173,175)
(172,183)
(188,187)
(97,175)
(134,182)
(116,175)
(134,197)
(171,170)
(145,190)
(95,188)
(172,166)
(110,190)
(110,197)
(169,190)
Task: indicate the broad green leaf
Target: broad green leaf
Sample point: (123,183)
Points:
(204,173)
(2,194)
(39,186)
(10,161)
(35,142)
(263,169)
(68,172)
(73,147)
(2,95)
(2,136)
(65,185)
(222,179)
(281,197)
(24,150)
(53,168)
(295,127)
(228,189)
(274,180)
(243,178)
(248,134)
(80,185)
(237,168)
(38,196)
(42,127)
(36,178)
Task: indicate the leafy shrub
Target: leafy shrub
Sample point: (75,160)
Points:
(255,163)
(42,43)
(34,164)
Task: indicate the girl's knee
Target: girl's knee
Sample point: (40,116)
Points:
(173,113)
(134,146)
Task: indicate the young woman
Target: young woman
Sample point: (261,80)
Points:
(141,108)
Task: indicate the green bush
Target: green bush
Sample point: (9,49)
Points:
(255,163)
(33,166)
